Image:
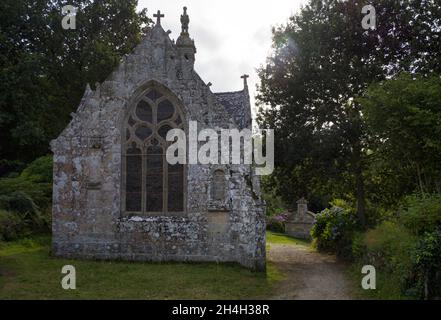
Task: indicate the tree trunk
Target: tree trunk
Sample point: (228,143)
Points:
(361,202)
(359,185)
(426,287)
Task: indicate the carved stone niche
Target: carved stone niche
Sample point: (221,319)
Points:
(94,163)
(218,194)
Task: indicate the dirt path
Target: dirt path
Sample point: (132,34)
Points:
(309,275)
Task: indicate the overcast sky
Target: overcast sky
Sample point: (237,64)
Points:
(232,37)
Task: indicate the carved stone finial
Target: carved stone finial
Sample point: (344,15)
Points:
(158,17)
(185,20)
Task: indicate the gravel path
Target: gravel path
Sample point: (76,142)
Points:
(308,275)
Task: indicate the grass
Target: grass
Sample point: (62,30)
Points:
(280,238)
(28,272)
(387,285)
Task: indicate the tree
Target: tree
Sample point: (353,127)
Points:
(403,116)
(44,68)
(323,59)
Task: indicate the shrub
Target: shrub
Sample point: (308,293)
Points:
(421,214)
(22,206)
(39,171)
(19,202)
(333,231)
(427,266)
(340,203)
(27,197)
(277,223)
(359,248)
(388,247)
(35,181)
(11,226)
(274,204)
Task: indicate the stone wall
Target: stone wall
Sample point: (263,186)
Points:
(87,218)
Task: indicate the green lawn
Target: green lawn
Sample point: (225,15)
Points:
(28,272)
(280,238)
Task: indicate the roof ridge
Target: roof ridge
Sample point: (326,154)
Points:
(227,92)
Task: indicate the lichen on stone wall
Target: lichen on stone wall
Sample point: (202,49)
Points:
(88,221)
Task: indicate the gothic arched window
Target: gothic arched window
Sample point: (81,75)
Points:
(152,186)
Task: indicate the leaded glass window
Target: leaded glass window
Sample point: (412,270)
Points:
(151,185)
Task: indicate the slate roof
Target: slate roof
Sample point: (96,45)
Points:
(236,105)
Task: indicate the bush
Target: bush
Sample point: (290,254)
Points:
(19,202)
(22,206)
(35,181)
(421,214)
(333,231)
(27,197)
(40,170)
(406,250)
(274,204)
(389,248)
(277,223)
(359,248)
(427,266)
(11,226)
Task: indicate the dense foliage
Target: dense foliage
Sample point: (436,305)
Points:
(334,229)
(357,116)
(403,120)
(405,250)
(44,68)
(427,266)
(277,223)
(323,61)
(422,214)
(25,200)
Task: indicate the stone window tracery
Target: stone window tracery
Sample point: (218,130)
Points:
(151,185)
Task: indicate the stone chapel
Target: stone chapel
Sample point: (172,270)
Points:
(114,194)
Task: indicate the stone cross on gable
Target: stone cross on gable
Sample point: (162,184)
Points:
(158,17)
(245,77)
